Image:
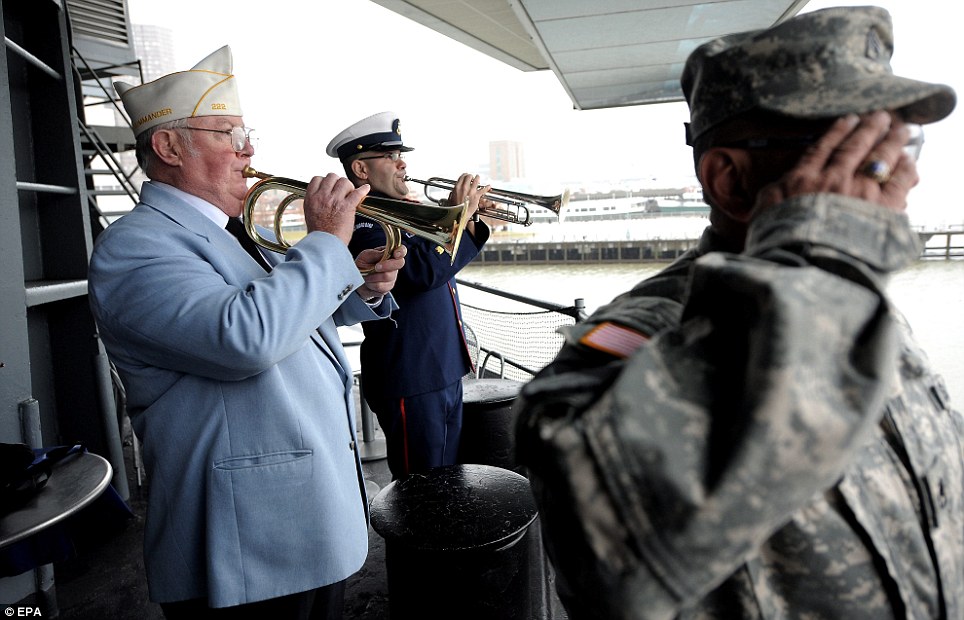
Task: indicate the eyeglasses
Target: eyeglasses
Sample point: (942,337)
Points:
(916,141)
(394,156)
(913,146)
(240,136)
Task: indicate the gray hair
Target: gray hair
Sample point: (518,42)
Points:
(146,157)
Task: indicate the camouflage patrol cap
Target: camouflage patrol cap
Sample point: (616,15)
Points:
(816,65)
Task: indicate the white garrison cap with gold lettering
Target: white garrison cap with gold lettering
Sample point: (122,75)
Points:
(207,89)
(378,132)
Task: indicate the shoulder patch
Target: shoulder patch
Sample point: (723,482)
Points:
(614,339)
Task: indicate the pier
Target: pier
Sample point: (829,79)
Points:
(942,244)
(584,251)
(946,243)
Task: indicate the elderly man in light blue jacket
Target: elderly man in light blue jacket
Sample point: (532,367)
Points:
(236,380)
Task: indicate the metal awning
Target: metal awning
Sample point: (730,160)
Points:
(605,53)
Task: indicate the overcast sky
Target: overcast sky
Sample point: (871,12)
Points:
(307,69)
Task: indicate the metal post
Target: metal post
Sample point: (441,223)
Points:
(580,307)
(108,411)
(372,448)
(32,436)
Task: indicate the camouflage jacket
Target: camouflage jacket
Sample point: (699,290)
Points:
(753,435)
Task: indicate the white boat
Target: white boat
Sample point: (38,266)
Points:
(686,201)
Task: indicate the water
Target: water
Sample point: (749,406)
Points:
(929,293)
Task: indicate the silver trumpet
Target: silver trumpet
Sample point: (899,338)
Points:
(514,209)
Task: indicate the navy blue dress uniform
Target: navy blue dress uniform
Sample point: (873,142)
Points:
(412,366)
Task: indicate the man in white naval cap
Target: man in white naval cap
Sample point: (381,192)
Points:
(412,366)
(236,379)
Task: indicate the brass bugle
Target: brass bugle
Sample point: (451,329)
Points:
(515,210)
(441,225)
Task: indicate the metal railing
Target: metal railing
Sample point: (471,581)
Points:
(518,332)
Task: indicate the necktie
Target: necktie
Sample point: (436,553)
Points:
(236,228)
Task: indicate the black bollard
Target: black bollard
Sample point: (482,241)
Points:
(488,424)
(452,543)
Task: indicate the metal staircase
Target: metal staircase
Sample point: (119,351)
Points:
(106,173)
(101,50)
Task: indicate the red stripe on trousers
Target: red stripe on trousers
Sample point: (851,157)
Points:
(401,406)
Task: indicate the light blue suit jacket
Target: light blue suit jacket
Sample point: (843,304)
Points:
(240,390)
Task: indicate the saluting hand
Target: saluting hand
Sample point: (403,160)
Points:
(838,164)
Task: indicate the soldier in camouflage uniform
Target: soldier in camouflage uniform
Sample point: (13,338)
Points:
(753,433)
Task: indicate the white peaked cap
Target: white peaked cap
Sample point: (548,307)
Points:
(207,89)
(378,132)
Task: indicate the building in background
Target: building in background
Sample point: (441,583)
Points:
(506,160)
(154,46)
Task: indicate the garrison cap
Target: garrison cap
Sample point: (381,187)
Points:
(207,89)
(378,132)
(823,64)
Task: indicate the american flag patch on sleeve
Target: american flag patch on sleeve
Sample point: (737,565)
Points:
(614,339)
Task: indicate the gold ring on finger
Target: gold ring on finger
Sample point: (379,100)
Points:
(878,170)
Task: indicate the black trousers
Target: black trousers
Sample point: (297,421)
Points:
(325,603)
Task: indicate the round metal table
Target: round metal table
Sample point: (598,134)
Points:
(74,483)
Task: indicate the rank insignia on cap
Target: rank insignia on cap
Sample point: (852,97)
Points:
(397,127)
(875,46)
(616,340)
